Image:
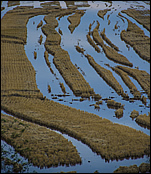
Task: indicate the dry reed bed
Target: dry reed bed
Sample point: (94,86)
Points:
(134,114)
(110,52)
(114,104)
(142,168)
(108,40)
(17,72)
(128,82)
(144,120)
(92,43)
(136,38)
(40,24)
(42,147)
(46,58)
(100,134)
(142,77)
(102,13)
(107,77)
(40,39)
(75,19)
(62,61)
(141,16)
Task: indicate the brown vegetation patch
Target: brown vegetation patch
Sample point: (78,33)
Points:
(92,43)
(114,104)
(134,114)
(143,120)
(142,77)
(75,19)
(17,72)
(46,58)
(102,13)
(128,82)
(110,52)
(42,147)
(100,134)
(35,55)
(71,75)
(108,40)
(119,113)
(141,16)
(143,168)
(107,76)
(40,39)
(40,24)
(136,38)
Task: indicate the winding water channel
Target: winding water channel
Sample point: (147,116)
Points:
(90,160)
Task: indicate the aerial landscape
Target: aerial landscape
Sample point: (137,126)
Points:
(75,86)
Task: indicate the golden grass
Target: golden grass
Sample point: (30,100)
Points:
(92,43)
(110,52)
(134,114)
(136,38)
(125,169)
(143,168)
(62,88)
(71,75)
(142,77)
(119,113)
(129,83)
(17,72)
(75,19)
(46,58)
(116,27)
(108,40)
(138,15)
(35,55)
(102,13)
(40,24)
(114,104)
(60,31)
(19,95)
(80,50)
(49,88)
(107,76)
(144,120)
(42,147)
(40,39)
(109,22)
(100,134)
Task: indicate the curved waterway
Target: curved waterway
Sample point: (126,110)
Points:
(90,160)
